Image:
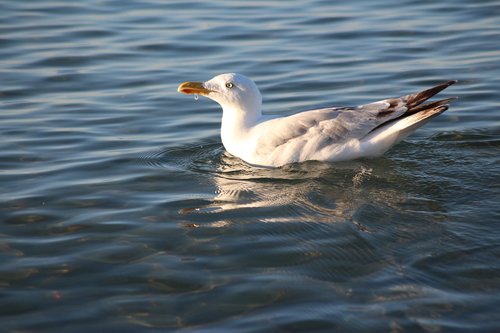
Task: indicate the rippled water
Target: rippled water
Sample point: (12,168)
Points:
(120,210)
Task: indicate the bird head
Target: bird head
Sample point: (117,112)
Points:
(232,91)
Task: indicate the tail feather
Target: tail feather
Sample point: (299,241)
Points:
(384,137)
(410,123)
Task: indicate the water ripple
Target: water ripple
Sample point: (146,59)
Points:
(120,206)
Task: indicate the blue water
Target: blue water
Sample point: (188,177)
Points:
(120,210)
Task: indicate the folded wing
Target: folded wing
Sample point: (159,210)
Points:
(373,123)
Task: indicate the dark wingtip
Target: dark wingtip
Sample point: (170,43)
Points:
(416,99)
(431,105)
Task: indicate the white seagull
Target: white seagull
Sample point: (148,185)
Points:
(331,134)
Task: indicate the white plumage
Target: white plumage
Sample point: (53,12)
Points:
(329,134)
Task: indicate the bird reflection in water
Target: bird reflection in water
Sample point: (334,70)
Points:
(306,192)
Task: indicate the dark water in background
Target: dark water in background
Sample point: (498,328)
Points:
(120,211)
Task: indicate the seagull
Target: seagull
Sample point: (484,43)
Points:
(331,134)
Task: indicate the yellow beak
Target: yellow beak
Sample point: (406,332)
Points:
(193,88)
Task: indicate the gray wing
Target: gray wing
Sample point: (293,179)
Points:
(337,125)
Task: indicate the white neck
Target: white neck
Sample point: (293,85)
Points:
(235,128)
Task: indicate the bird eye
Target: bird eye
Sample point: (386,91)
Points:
(229,85)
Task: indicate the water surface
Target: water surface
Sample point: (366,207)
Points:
(120,210)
